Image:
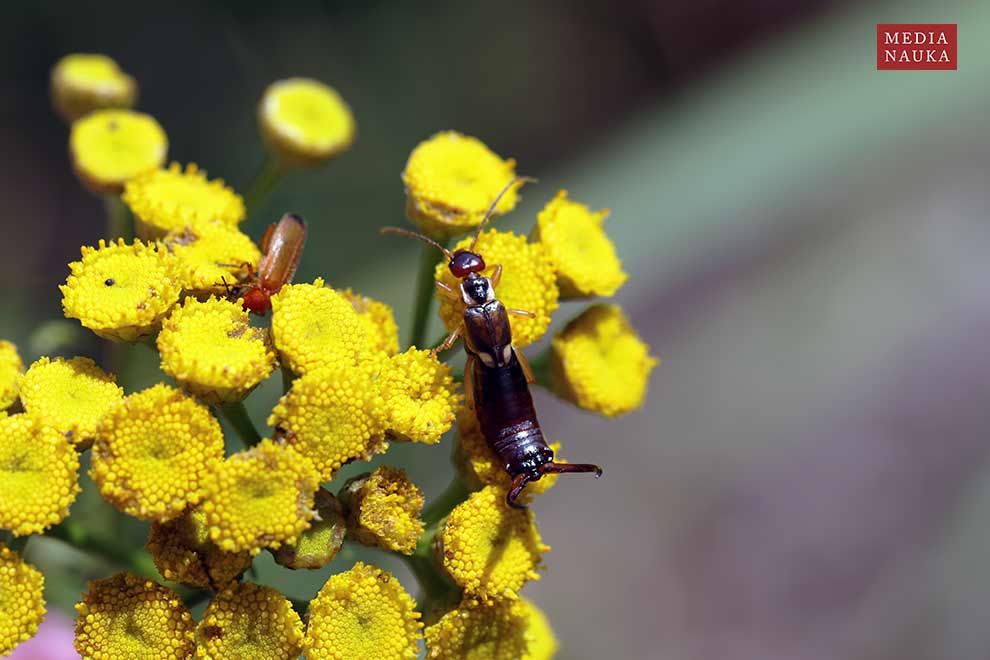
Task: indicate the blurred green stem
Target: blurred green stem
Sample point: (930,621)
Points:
(424,295)
(541,368)
(120,222)
(263,183)
(75,535)
(237,416)
(445,502)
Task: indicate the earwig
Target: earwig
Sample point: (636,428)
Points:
(281,250)
(496,376)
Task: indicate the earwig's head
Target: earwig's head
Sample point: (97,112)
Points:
(257,300)
(464,262)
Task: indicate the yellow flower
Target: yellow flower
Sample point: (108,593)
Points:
(22,600)
(332,415)
(579,248)
(362,614)
(38,475)
(11,369)
(318,545)
(420,396)
(249,622)
(494,630)
(111,147)
(83,82)
(154,451)
(71,396)
(489,549)
(166,200)
(451,180)
(378,320)
(261,497)
(121,291)
(212,351)
(212,254)
(528,283)
(124,616)
(314,326)
(305,122)
(384,509)
(184,553)
(599,363)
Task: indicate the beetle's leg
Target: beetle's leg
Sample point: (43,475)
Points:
(445,291)
(521,312)
(226,287)
(448,342)
(469,381)
(496,275)
(518,483)
(524,363)
(559,468)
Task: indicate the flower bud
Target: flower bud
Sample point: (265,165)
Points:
(83,82)
(318,545)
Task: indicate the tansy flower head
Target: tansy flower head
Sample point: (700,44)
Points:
(332,415)
(420,396)
(489,549)
(38,475)
(528,283)
(363,613)
(384,509)
(540,637)
(212,254)
(212,351)
(166,200)
(581,252)
(121,291)
(11,368)
(313,326)
(249,622)
(71,396)
(318,545)
(83,82)
(599,363)
(111,147)
(125,616)
(21,600)
(153,451)
(184,553)
(451,180)
(261,497)
(494,630)
(305,122)
(378,320)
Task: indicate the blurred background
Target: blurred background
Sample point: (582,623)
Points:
(808,245)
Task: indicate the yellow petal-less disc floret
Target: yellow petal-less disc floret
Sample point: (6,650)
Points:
(528,283)
(599,363)
(379,322)
(72,396)
(489,549)
(362,614)
(579,248)
(420,396)
(212,351)
(121,291)
(332,415)
(384,510)
(83,82)
(154,451)
(212,254)
(173,199)
(261,497)
(22,600)
(317,546)
(305,122)
(540,637)
(111,147)
(184,553)
(494,630)
(451,180)
(38,475)
(249,622)
(11,370)
(124,616)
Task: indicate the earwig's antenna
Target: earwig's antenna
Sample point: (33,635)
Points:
(491,209)
(418,237)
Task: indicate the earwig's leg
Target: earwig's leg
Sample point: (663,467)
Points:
(445,291)
(560,468)
(448,342)
(267,238)
(469,381)
(521,312)
(524,363)
(518,484)
(496,275)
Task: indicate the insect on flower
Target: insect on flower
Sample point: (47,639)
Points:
(496,375)
(281,249)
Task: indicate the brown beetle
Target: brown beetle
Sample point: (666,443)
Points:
(281,250)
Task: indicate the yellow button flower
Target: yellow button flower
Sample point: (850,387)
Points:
(494,630)
(83,82)
(11,368)
(212,351)
(249,622)
(184,553)
(318,545)
(22,600)
(384,510)
(540,637)
(166,200)
(305,122)
(420,396)
(599,363)
(332,415)
(111,147)
(261,497)
(125,616)
(154,451)
(212,254)
(451,180)
(72,396)
(489,549)
(121,291)
(362,614)
(38,475)
(579,248)
(378,320)
(528,283)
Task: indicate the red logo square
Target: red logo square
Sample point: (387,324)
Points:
(916,46)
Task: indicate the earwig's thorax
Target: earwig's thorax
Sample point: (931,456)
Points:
(465,262)
(477,290)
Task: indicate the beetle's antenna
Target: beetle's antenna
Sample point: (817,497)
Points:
(418,237)
(491,209)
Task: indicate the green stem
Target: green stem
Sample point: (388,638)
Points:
(424,295)
(541,368)
(445,502)
(237,416)
(73,534)
(263,183)
(120,222)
